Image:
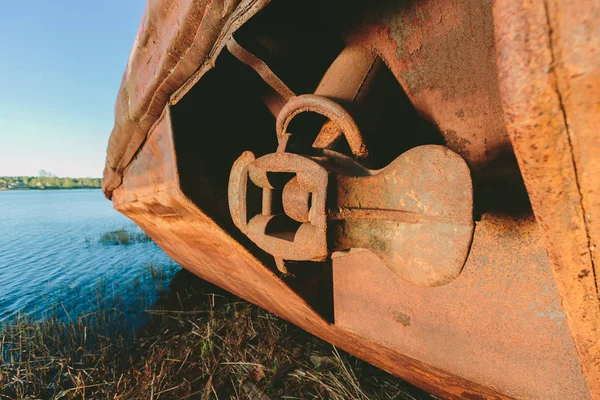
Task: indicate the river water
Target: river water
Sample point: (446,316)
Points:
(50,252)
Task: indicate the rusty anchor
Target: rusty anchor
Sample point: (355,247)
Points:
(416,214)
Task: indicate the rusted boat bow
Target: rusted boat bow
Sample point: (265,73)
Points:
(411,181)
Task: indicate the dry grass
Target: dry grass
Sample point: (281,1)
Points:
(200,343)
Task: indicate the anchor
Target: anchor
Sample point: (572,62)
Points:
(416,214)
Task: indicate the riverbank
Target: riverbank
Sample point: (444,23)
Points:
(47,182)
(47,188)
(198,342)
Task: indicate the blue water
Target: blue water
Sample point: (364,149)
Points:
(49,250)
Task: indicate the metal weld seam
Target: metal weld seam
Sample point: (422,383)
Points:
(380,214)
(569,141)
(362,83)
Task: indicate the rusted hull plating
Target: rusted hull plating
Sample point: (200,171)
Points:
(503,302)
(377,316)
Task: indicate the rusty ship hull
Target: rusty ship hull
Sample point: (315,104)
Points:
(413,182)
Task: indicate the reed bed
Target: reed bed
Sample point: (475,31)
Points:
(123,236)
(198,342)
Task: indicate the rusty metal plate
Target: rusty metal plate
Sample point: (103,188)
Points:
(499,323)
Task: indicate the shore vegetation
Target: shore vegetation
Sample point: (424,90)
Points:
(123,236)
(197,342)
(47,182)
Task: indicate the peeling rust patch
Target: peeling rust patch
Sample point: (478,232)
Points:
(401,317)
(459,144)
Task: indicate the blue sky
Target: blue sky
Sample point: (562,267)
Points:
(61,64)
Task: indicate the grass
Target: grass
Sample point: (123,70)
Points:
(123,236)
(199,342)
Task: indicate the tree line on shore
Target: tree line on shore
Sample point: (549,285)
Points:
(47,182)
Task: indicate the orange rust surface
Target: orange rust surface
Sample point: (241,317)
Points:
(576,48)
(174,39)
(499,323)
(443,52)
(459,94)
(558,173)
(155,202)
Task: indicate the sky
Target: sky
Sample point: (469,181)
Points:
(61,64)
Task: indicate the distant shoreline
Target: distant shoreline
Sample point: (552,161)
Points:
(47,182)
(48,188)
